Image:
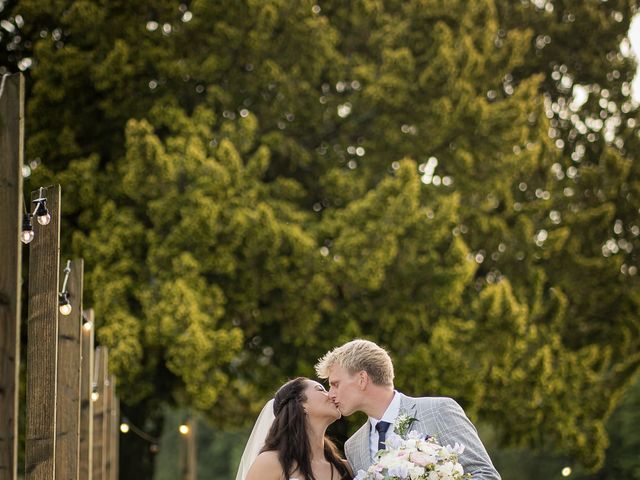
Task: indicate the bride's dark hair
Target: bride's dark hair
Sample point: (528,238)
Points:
(288,434)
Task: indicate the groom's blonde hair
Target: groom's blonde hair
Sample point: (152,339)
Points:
(358,355)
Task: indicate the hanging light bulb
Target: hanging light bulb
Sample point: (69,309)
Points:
(45,218)
(94,392)
(87,326)
(64,304)
(184,429)
(40,211)
(124,427)
(63,296)
(27,229)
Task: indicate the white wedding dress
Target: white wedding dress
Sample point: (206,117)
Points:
(256,440)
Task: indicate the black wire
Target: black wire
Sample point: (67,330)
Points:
(141,433)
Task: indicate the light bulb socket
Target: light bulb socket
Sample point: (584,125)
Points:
(26,222)
(40,205)
(63,298)
(40,210)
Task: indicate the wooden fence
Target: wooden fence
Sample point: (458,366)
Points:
(71,408)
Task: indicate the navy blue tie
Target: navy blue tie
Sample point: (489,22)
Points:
(381,428)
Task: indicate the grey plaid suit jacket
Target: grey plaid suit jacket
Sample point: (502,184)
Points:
(439,417)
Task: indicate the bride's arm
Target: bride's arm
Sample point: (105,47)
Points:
(266,467)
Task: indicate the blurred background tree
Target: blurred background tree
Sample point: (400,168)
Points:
(253,182)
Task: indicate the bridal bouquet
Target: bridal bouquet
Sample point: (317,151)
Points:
(409,456)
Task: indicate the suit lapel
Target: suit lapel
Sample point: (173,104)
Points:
(409,406)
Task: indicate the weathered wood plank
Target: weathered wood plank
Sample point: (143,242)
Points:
(69,369)
(115,431)
(108,436)
(11,160)
(99,414)
(42,343)
(86,405)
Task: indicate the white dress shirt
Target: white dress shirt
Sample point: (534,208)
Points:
(389,415)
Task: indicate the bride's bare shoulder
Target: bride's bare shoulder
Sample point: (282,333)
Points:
(265,467)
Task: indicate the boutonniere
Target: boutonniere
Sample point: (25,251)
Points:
(403,423)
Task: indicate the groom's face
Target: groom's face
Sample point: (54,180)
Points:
(344,389)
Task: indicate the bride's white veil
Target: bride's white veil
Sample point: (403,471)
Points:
(256,439)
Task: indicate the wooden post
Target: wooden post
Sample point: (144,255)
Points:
(86,405)
(192,455)
(69,364)
(99,414)
(42,346)
(11,160)
(115,458)
(114,430)
(108,437)
(189,459)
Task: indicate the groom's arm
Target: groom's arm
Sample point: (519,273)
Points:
(348,452)
(455,426)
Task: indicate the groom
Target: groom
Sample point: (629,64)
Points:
(360,376)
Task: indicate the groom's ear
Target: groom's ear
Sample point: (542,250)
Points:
(363,379)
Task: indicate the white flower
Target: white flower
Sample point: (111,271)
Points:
(412,457)
(457,449)
(415,472)
(362,475)
(445,469)
(401,471)
(393,441)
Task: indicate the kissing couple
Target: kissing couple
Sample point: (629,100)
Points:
(289,441)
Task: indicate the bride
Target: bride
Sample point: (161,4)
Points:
(295,447)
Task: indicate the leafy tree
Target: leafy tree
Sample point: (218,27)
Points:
(622,456)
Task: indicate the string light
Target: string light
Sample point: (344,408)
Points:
(87,324)
(183,429)
(95,396)
(566,471)
(27,229)
(41,213)
(65,306)
(63,297)
(94,392)
(126,426)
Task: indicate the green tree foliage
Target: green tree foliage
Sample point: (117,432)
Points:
(253,182)
(622,457)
